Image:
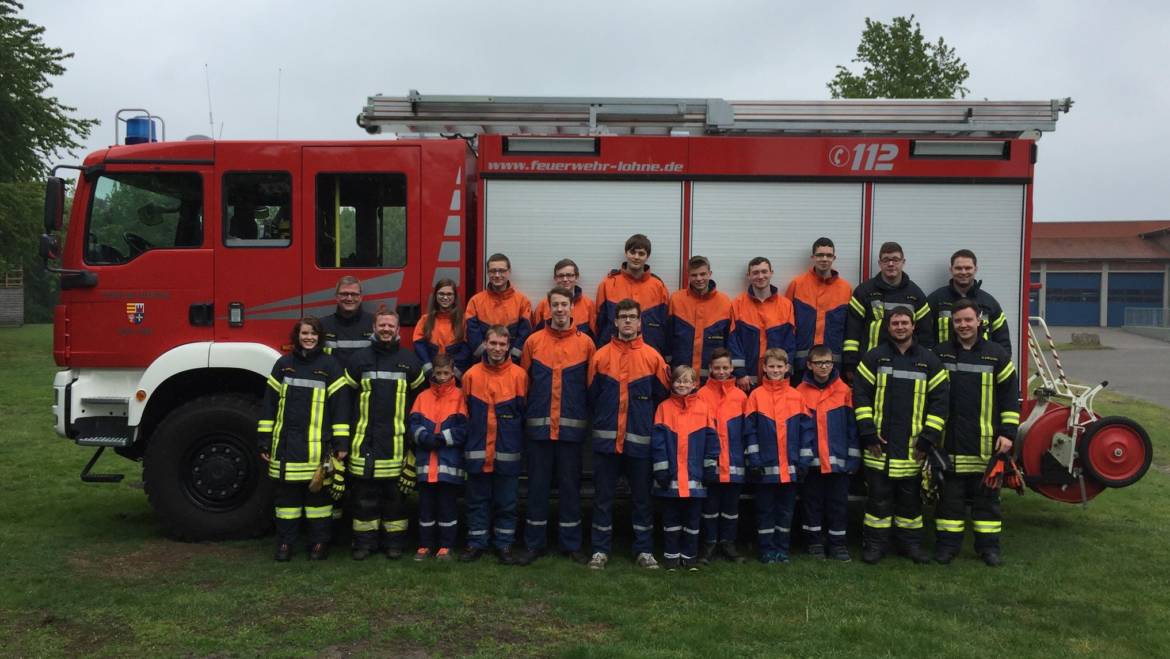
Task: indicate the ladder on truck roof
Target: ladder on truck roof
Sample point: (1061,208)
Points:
(418,114)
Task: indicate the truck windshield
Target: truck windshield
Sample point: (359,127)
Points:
(132,213)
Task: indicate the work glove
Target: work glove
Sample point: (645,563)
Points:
(337,483)
(408,479)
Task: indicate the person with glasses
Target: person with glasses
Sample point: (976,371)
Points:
(565,275)
(836,455)
(871,302)
(820,300)
(627,379)
(498,304)
(964,286)
(443,330)
(347,329)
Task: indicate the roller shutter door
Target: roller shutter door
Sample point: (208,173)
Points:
(1136,290)
(1073,298)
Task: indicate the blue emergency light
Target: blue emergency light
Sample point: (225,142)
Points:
(142,128)
(139,130)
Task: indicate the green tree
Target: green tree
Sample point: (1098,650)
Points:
(35,124)
(901,63)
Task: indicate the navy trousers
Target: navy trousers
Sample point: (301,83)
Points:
(491,510)
(438,515)
(607,467)
(825,499)
(721,512)
(680,527)
(774,507)
(546,459)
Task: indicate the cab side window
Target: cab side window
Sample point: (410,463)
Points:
(257,209)
(134,213)
(361,220)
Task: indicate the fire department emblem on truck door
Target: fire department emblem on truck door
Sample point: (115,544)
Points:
(135,312)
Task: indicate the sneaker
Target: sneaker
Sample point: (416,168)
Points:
(692,564)
(707,552)
(727,548)
(359,553)
(991,558)
(671,564)
(319,551)
(646,560)
(767,557)
(394,553)
(598,561)
(470,554)
(421,554)
(443,554)
(283,553)
(944,555)
(781,557)
(839,553)
(872,555)
(576,555)
(817,551)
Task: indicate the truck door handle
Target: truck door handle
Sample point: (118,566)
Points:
(408,314)
(201,314)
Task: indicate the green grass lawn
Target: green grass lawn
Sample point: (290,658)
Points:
(87,571)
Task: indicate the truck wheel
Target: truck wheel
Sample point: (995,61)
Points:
(1116,451)
(203,475)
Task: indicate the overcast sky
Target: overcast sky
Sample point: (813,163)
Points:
(1107,159)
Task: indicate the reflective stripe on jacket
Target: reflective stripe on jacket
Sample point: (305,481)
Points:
(304,416)
(821,307)
(727,402)
(626,379)
(557,363)
(837,449)
(345,336)
(902,398)
(495,409)
(387,377)
(984,402)
(684,446)
(757,325)
(648,291)
(864,326)
(698,324)
(991,316)
(778,432)
(440,410)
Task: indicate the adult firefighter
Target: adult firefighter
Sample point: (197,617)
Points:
(820,300)
(964,286)
(556,422)
(873,299)
(304,419)
(900,398)
(347,329)
(699,319)
(984,416)
(386,376)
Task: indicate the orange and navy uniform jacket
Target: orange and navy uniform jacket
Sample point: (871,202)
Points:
(627,379)
(757,325)
(584,312)
(698,324)
(305,414)
(837,449)
(442,341)
(648,291)
(821,307)
(727,402)
(777,431)
(557,363)
(495,412)
(441,411)
(684,446)
(509,308)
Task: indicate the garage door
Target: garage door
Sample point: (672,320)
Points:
(1073,298)
(1138,290)
(1034,295)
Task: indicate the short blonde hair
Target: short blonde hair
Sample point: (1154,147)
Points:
(775,353)
(683,370)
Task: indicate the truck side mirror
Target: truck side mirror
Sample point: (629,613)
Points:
(54,203)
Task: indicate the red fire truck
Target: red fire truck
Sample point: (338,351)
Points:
(185,263)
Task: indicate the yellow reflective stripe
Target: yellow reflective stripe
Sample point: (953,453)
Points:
(265,425)
(919,411)
(318,512)
(969,464)
(908,522)
(935,422)
(399,417)
(359,435)
(350,381)
(857,306)
(338,384)
(938,379)
(850,345)
(986,409)
(921,312)
(419,381)
(368,525)
(288,513)
(316,424)
(1009,418)
(904,468)
(879,400)
(341,429)
(276,427)
(999,321)
(864,372)
(863,413)
(875,328)
(1005,373)
(984,526)
(274,383)
(872,462)
(944,327)
(877,522)
(950,525)
(395,525)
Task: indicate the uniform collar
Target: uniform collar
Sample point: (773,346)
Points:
(645,272)
(722,387)
(384,346)
(561,333)
(349,320)
(775,385)
(809,379)
(633,344)
(710,291)
(752,294)
(881,282)
(443,389)
(831,278)
(684,401)
(975,285)
(497,368)
(508,292)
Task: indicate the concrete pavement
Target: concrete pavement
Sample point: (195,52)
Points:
(1135,365)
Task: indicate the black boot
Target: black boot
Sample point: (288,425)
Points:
(707,552)
(727,548)
(283,553)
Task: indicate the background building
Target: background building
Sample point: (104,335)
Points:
(1091,272)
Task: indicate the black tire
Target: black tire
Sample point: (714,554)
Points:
(1130,441)
(203,475)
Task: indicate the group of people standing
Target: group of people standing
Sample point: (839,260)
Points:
(690,397)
